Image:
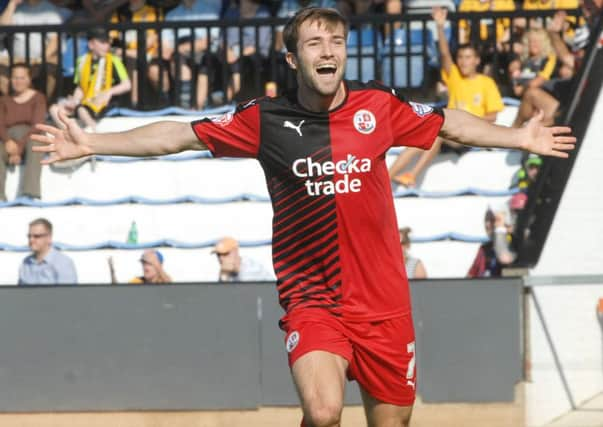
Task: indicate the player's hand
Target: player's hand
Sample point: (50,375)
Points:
(439,14)
(68,143)
(553,141)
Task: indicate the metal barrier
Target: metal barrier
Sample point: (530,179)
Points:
(399,50)
(531,284)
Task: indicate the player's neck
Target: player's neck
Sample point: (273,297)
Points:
(312,101)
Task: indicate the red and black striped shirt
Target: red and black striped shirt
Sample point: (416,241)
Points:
(335,243)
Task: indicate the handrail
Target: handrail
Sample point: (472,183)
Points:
(242,197)
(272,67)
(178,244)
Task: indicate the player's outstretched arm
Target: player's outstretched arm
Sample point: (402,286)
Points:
(155,139)
(468,129)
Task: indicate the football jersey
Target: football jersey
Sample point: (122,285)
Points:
(335,243)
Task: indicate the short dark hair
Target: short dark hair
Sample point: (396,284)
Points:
(331,18)
(23,65)
(468,46)
(405,235)
(43,222)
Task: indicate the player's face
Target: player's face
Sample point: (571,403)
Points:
(467,61)
(320,59)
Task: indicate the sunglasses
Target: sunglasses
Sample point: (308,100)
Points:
(37,236)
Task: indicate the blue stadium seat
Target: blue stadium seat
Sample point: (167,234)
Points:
(361,54)
(396,58)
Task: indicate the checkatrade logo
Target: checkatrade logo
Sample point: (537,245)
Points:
(307,168)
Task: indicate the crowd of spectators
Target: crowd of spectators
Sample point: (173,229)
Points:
(202,66)
(533,60)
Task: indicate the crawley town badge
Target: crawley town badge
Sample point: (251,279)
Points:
(365,122)
(292,341)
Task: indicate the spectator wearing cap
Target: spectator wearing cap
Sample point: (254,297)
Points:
(152,269)
(527,174)
(100,76)
(493,255)
(45,265)
(234,268)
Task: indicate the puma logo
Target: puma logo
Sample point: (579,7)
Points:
(410,383)
(297,128)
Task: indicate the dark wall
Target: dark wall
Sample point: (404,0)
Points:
(177,347)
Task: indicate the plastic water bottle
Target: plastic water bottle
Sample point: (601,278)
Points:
(133,234)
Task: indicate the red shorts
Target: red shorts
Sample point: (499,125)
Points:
(381,354)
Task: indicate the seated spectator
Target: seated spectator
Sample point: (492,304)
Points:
(19,112)
(468,90)
(414,266)
(100,76)
(45,265)
(535,64)
(138,11)
(234,268)
(152,269)
(246,57)
(547,99)
(187,54)
(30,48)
(351,8)
(527,174)
(495,254)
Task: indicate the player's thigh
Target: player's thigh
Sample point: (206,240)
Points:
(383,364)
(320,377)
(381,414)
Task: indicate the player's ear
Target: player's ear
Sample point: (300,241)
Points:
(291,60)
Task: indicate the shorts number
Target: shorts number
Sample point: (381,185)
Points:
(410,373)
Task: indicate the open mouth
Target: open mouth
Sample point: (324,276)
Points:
(326,69)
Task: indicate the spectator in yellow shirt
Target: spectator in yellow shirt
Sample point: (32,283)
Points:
(468,90)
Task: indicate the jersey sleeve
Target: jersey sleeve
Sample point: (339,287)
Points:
(232,134)
(414,124)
